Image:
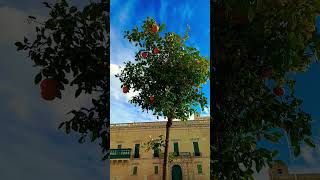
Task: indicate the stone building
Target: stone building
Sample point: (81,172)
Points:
(280,172)
(189,140)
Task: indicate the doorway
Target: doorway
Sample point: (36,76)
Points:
(176,172)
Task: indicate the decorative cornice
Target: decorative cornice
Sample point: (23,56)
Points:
(205,122)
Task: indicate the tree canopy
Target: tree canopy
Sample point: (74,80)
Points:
(259,44)
(72,47)
(167,73)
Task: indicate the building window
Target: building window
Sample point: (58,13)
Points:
(199,167)
(279,171)
(136,150)
(176,148)
(196,149)
(156,169)
(135,170)
(119,146)
(156,152)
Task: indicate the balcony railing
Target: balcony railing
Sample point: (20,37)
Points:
(182,154)
(120,153)
(185,154)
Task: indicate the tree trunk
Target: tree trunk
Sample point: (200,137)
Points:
(165,160)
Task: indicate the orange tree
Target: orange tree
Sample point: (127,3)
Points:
(259,44)
(167,74)
(72,48)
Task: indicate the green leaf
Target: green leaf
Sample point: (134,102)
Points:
(95,135)
(19,45)
(32,17)
(73,9)
(49,41)
(61,86)
(61,125)
(59,95)
(95,102)
(67,127)
(50,24)
(65,81)
(296,150)
(259,166)
(90,115)
(309,142)
(46,4)
(38,78)
(81,140)
(105,157)
(78,92)
(74,126)
(274,153)
(25,40)
(251,14)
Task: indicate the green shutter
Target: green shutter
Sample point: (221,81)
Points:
(135,170)
(196,149)
(156,152)
(136,150)
(176,148)
(199,166)
(155,169)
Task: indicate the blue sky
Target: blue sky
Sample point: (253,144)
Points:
(125,15)
(40,151)
(32,147)
(307,89)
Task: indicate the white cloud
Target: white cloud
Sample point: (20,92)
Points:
(114,69)
(35,148)
(191,117)
(115,85)
(36,155)
(206,112)
(114,82)
(120,109)
(123,112)
(120,49)
(125,11)
(311,164)
(31,123)
(310,155)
